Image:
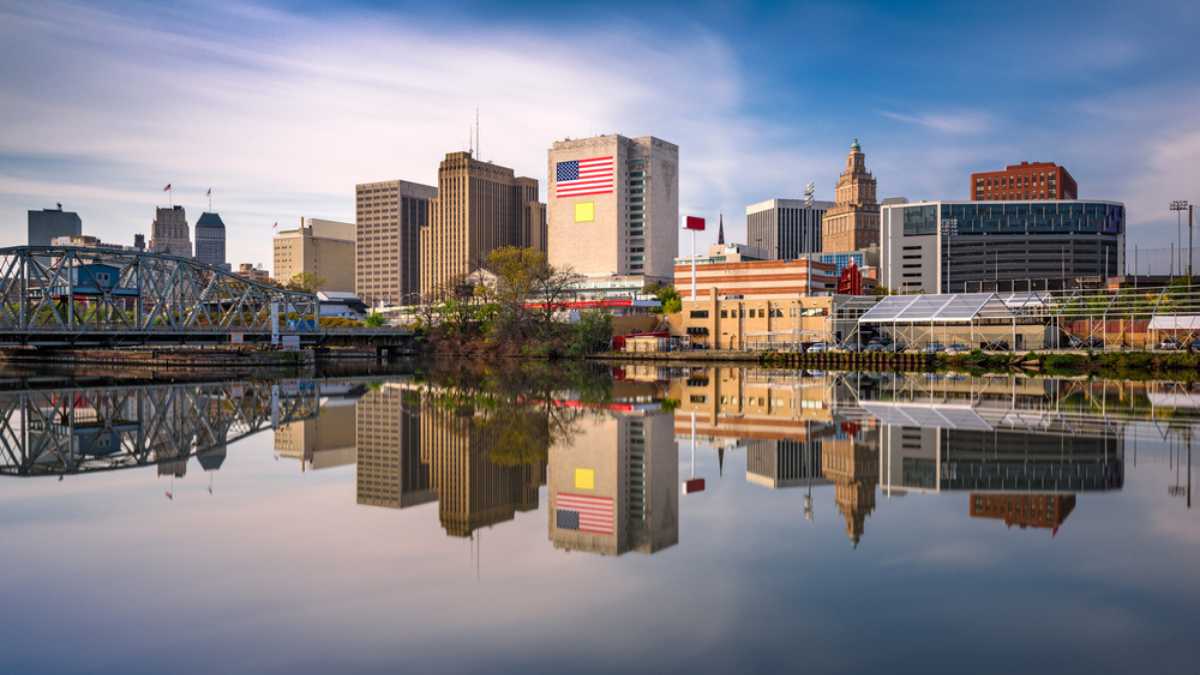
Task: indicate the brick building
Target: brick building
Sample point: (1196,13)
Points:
(1027,180)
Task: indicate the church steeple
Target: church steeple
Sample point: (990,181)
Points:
(721,230)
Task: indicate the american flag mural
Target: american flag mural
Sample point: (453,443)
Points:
(580,177)
(584,513)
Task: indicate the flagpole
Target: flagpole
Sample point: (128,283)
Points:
(693,265)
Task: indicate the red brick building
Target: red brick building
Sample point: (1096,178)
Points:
(1027,180)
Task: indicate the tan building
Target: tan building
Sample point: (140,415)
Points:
(479,207)
(321,442)
(614,485)
(614,205)
(389,215)
(739,404)
(853,466)
(853,222)
(323,248)
(738,323)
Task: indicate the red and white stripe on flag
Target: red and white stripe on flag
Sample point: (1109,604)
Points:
(595,513)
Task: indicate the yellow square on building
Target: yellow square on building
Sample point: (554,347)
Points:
(585,479)
(585,212)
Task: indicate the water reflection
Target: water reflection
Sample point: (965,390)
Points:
(605,445)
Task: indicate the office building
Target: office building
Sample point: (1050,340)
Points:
(614,486)
(322,248)
(390,471)
(324,440)
(389,217)
(253,272)
(614,206)
(785,228)
(1024,181)
(784,463)
(943,247)
(479,207)
(169,233)
(48,224)
(210,240)
(1043,511)
(853,221)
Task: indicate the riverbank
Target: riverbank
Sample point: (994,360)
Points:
(1127,364)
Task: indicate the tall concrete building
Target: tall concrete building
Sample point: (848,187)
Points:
(210,240)
(614,487)
(169,233)
(614,206)
(853,222)
(388,427)
(320,442)
(785,228)
(49,224)
(389,215)
(323,248)
(479,207)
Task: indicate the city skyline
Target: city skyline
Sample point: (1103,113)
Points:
(265,143)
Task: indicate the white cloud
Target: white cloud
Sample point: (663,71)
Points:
(961,122)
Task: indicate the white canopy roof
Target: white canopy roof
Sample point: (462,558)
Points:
(945,308)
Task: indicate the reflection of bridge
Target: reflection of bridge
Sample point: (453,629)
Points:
(85,430)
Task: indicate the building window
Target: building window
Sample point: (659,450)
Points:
(699,314)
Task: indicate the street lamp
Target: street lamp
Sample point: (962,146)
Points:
(1179,206)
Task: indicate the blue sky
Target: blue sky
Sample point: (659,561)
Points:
(282,108)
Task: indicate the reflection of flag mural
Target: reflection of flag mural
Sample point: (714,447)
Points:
(584,513)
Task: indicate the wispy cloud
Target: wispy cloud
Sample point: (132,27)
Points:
(963,122)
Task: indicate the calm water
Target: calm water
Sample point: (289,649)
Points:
(628,520)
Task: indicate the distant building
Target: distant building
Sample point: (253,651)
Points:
(210,239)
(1027,180)
(169,233)
(389,216)
(614,205)
(390,471)
(1044,511)
(942,247)
(86,241)
(323,248)
(47,224)
(853,222)
(139,242)
(785,228)
(323,441)
(253,273)
(754,279)
(479,207)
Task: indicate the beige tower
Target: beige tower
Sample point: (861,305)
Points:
(614,206)
(390,214)
(853,222)
(324,248)
(480,207)
(853,467)
(169,233)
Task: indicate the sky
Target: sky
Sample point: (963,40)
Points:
(281,108)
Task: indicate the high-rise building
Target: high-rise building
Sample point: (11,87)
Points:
(479,207)
(169,233)
(387,258)
(853,222)
(322,248)
(210,240)
(956,247)
(390,472)
(614,206)
(1027,180)
(785,228)
(48,224)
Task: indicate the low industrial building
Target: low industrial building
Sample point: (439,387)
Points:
(784,324)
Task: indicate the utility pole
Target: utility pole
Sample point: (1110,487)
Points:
(1179,206)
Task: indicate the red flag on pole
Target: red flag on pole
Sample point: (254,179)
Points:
(694,223)
(167,188)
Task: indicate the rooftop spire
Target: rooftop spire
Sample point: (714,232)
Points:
(855,146)
(721,229)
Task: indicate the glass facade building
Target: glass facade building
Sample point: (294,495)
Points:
(944,247)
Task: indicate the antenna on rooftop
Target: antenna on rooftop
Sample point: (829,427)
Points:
(477,134)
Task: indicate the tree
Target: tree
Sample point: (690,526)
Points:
(881,290)
(527,293)
(305,281)
(375,320)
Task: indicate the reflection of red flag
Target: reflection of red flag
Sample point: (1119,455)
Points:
(275,225)
(167,188)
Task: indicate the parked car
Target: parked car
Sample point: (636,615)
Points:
(851,347)
(818,348)
(957,348)
(874,346)
(933,348)
(1170,343)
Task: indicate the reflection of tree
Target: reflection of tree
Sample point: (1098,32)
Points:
(522,406)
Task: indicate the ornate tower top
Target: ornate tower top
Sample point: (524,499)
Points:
(855,146)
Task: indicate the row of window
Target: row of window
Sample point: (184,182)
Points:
(1055,217)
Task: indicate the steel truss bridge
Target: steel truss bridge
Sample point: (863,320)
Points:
(73,295)
(54,432)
